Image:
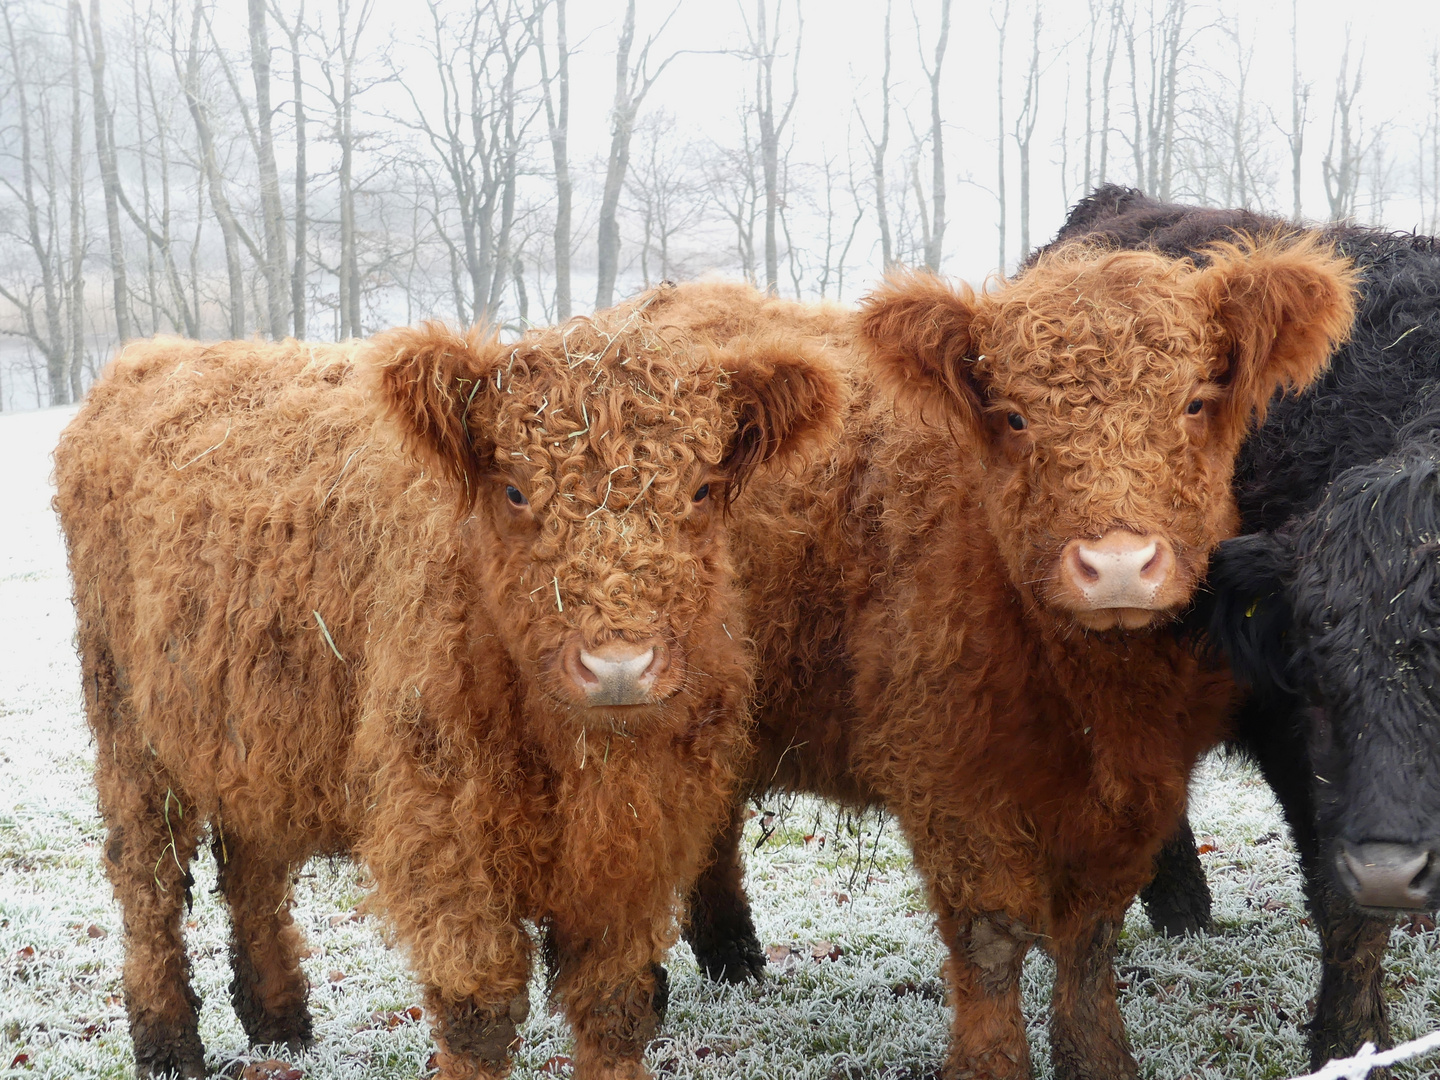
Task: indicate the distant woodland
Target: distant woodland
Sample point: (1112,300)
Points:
(321,168)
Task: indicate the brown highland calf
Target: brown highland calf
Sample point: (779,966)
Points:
(966,614)
(484,636)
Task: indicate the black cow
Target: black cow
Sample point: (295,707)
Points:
(1329,607)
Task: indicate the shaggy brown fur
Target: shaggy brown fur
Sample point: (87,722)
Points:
(916,648)
(291,639)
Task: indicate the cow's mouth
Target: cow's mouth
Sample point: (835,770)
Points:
(1120,618)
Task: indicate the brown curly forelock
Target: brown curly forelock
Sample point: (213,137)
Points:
(610,427)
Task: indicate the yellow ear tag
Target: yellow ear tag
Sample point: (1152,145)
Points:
(1250,611)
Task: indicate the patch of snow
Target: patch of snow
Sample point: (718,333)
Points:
(1227,1005)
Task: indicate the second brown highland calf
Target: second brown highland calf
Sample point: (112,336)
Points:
(489,641)
(966,614)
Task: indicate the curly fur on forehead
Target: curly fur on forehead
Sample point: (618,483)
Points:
(1093,324)
(603,411)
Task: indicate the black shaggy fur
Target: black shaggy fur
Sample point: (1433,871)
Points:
(1329,609)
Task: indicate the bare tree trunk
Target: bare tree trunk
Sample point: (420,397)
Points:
(1434,225)
(1025,132)
(631,86)
(1299,103)
(76,290)
(477,140)
(49,338)
(1111,50)
(277,289)
(1000,125)
(109,174)
(764,49)
(1341,171)
(350,288)
(557,113)
(1143,180)
(936,243)
(229,227)
(1174,22)
(298,269)
(152,285)
(878,148)
(161,241)
(1095,7)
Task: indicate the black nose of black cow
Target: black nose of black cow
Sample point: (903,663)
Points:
(1381,875)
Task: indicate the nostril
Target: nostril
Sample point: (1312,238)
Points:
(1083,569)
(1157,567)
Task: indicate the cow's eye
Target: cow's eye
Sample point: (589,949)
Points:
(701,493)
(1195,407)
(516,496)
(1016,421)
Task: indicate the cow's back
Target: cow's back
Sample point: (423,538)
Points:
(221,505)
(1378,391)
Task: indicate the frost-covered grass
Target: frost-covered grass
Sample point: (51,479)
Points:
(1224,1006)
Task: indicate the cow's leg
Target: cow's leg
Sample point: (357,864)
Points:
(1087,1035)
(152,837)
(720,929)
(1177,900)
(614,1008)
(1350,1008)
(475,1030)
(987,951)
(268,989)
(476,1034)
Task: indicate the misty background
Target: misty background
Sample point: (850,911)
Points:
(326,168)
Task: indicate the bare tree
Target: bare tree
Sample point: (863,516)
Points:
(1433,225)
(339,70)
(737,191)
(188,71)
(277,285)
(935,238)
(557,114)
(40,305)
(764,49)
(75,293)
(293,32)
(835,251)
(1299,106)
(1342,164)
(109,173)
(664,193)
(1112,50)
(632,83)
(1000,24)
(477,136)
(878,146)
(180,311)
(1025,131)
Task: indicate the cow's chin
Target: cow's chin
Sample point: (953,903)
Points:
(1120,618)
(603,710)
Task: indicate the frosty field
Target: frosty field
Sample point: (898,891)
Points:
(854,987)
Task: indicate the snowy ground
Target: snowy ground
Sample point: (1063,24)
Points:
(1224,1006)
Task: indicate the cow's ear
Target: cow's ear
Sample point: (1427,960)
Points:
(431,383)
(788,398)
(1250,614)
(1282,306)
(918,332)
